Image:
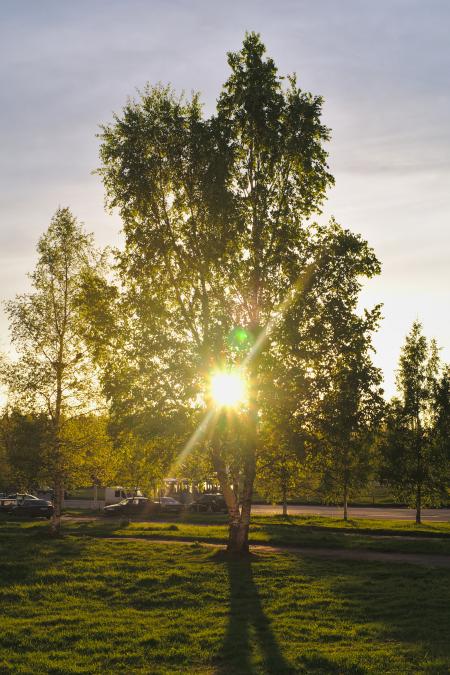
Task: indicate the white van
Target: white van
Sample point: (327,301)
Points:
(113,495)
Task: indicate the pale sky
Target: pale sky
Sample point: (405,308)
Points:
(383,68)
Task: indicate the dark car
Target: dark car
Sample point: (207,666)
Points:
(26,506)
(129,507)
(210,503)
(168,505)
(142,506)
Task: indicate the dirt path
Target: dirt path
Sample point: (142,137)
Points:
(423,559)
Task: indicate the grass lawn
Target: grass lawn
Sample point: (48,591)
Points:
(90,605)
(312,531)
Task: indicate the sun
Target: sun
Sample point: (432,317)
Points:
(228,388)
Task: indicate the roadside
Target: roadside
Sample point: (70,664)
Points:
(355,512)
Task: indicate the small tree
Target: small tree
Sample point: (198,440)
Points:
(349,412)
(440,440)
(54,375)
(144,463)
(6,472)
(279,475)
(414,444)
(280,466)
(25,438)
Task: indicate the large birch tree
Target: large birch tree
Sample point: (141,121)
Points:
(217,243)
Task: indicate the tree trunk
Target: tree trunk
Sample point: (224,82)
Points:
(58,483)
(239,523)
(419,504)
(284,491)
(419,473)
(238,535)
(239,545)
(238,539)
(345,502)
(57,507)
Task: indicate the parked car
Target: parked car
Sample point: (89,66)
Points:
(168,505)
(210,503)
(129,507)
(26,505)
(143,506)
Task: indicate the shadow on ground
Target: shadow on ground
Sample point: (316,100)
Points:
(250,645)
(26,548)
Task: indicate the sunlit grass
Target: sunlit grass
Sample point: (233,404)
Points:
(301,531)
(86,605)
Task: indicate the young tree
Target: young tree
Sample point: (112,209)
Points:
(144,463)
(281,462)
(280,475)
(349,415)
(24,439)
(415,447)
(54,376)
(217,240)
(440,439)
(6,472)
(323,384)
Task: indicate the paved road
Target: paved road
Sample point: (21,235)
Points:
(438,515)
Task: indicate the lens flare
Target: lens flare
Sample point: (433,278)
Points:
(228,388)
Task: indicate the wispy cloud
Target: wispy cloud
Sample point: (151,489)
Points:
(383,67)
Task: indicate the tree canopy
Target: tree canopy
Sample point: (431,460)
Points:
(415,443)
(222,265)
(54,377)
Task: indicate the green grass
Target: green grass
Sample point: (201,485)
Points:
(303,531)
(397,527)
(90,605)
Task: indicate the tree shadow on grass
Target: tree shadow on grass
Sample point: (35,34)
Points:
(408,603)
(380,605)
(27,548)
(249,629)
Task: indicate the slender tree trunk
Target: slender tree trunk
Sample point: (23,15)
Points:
(57,506)
(58,482)
(419,504)
(419,472)
(238,535)
(235,534)
(238,540)
(284,492)
(345,501)
(239,523)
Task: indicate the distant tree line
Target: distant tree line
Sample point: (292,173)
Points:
(222,267)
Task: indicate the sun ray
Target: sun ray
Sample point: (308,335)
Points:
(228,388)
(301,286)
